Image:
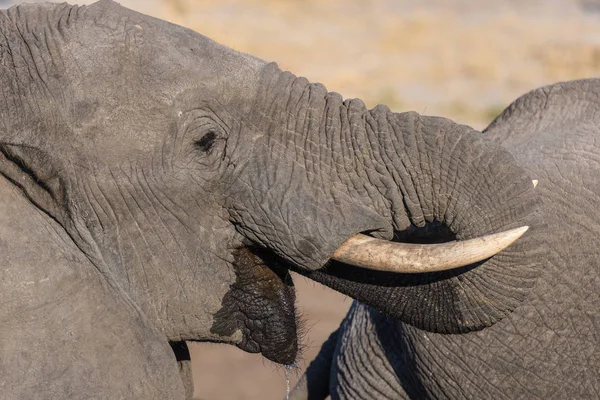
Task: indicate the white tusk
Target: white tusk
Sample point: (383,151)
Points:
(382,255)
(535,182)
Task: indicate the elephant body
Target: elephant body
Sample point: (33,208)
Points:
(549,347)
(157,187)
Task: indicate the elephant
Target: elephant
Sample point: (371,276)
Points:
(157,187)
(549,346)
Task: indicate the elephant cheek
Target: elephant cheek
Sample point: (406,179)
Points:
(261,305)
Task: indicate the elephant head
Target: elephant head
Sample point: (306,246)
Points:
(195,177)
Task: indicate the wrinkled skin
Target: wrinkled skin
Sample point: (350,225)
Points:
(157,187)
(549,347)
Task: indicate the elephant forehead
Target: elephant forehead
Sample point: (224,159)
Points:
(127,55)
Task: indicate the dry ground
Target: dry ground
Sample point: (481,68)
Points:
(463,59)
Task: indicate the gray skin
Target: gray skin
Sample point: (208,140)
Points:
(549,347)
(157,187)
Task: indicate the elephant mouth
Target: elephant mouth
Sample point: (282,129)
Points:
(261,306)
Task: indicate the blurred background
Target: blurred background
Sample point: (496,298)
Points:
(461,59)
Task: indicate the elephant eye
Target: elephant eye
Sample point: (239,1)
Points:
(206,141)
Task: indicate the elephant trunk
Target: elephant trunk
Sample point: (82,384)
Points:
(436,180)
(329,169)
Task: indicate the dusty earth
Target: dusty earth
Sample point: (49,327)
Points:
(463,59)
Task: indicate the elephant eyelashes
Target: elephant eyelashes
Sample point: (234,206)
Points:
(206,142)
